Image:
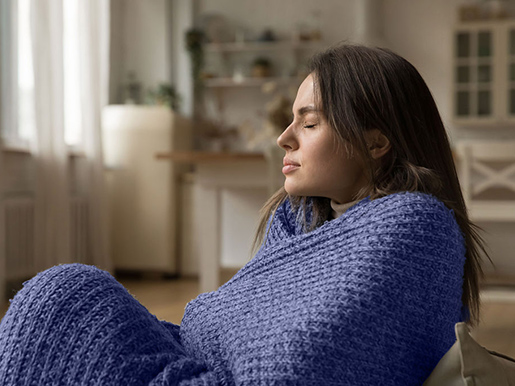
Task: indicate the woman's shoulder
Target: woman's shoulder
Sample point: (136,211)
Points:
(401,208)
(405,204)
(416,212)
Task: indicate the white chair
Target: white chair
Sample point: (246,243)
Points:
(477,175)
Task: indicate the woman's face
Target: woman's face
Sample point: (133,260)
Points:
(314,165)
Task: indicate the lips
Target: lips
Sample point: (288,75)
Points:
(287,162)
(289,166)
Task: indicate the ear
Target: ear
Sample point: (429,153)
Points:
(377,143)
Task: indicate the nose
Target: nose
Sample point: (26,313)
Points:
(287,139)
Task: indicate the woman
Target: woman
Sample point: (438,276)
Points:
(367,260)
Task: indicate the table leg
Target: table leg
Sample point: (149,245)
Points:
(209,206)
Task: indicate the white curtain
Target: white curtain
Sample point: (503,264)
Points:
(94,50)
(51,153)
(53,198)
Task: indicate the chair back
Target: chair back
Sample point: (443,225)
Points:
(485,165)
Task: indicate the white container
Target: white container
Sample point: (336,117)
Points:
(143,190)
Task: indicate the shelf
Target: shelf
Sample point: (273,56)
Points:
(249,82)
(207,156)
(264,46)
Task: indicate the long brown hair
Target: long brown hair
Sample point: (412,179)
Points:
(362,88)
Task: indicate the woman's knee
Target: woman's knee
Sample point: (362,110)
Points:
(67,275)
(65,282)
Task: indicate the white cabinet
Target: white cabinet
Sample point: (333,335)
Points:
(143,191)
(484,73)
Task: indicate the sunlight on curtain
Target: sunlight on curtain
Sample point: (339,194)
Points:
(26,109)
(72,108)
(72,102)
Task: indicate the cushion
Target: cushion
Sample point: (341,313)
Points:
(467,363)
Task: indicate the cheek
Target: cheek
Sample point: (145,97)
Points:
(320,151)
(339,170)
(325,158)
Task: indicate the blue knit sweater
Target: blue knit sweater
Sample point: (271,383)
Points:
(370,298)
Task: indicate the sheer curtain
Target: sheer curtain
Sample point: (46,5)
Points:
(94,50)
(51,153)
(53,197)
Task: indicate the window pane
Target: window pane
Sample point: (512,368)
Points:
(463,45)
(483,103)
(463,74)
(26,106)
(484,73)
(463,103)
(72,94)
(512,71)
(512,101)
(484,44)
(512,42)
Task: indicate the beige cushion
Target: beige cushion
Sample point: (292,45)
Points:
(468,363)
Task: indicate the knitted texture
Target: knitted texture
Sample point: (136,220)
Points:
(366,299)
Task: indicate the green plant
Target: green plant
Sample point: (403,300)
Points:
(194,44)
(165,95)
(262,61)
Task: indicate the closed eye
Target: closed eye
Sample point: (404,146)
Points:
(309,126)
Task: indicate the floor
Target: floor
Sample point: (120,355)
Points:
(167,299)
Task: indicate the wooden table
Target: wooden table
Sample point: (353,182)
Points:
(218,174)
(196,157)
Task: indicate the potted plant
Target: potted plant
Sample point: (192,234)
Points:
(262,67)
(165,95)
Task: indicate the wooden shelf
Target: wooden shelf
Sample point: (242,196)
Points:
(249,82)
(264,46)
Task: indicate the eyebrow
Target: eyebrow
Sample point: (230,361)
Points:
(307,109)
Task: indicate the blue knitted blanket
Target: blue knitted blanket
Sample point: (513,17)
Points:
(370,298)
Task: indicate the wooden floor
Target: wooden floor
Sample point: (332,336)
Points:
(167,299)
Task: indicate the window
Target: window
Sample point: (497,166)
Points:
(26,109)
(17,98)
(71,43)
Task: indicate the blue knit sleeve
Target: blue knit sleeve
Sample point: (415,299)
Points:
(400,293)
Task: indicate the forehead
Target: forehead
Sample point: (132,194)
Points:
(305,100)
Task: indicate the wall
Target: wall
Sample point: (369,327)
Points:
(337,15)
(421,31)
(140,42)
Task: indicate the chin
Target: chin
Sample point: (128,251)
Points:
(295,190)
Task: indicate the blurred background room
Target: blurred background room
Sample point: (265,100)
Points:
(139,135)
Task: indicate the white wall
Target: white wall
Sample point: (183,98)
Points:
(140,42)
(421,31)
(284,15)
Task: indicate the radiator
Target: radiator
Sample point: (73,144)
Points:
(79,231)
(19,236)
